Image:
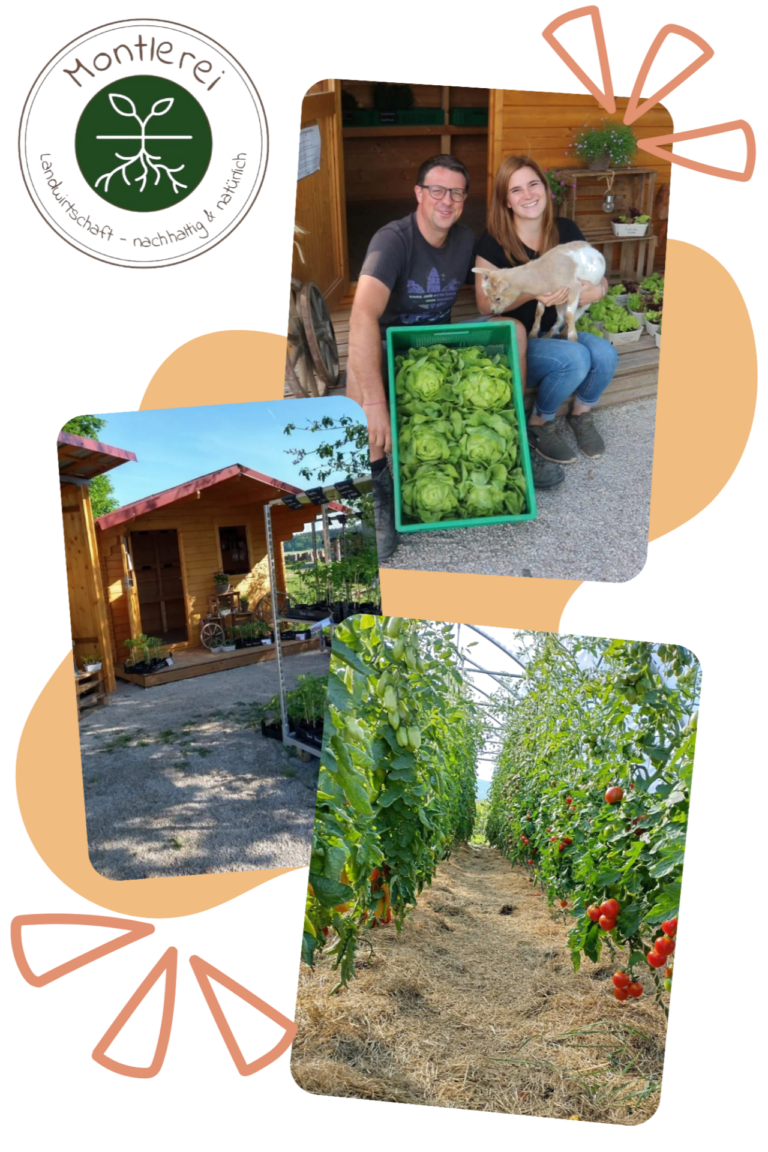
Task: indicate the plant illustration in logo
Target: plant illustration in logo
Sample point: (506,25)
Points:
(143,143)
(126,107)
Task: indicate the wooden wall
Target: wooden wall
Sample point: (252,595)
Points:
(87,605)
(542,125)
(383,166)
(197,520)
(320,198)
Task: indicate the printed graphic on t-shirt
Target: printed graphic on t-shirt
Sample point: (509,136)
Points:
(435,300)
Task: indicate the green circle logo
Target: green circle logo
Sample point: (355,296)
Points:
(143,143)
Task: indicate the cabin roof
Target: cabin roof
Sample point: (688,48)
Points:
(83,459)
(190,487)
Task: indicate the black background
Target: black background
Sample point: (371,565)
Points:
(61,335)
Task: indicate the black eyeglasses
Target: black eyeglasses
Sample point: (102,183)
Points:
(438,193)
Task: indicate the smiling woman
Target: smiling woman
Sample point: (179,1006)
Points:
(522,226)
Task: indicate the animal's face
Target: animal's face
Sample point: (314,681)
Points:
(499,287)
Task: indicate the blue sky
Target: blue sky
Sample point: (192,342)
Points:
(177,444)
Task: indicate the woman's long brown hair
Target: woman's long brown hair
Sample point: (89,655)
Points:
(501,219)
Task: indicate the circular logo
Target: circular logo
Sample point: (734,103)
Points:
(143,143)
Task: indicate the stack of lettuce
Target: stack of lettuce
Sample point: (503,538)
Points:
(458,435)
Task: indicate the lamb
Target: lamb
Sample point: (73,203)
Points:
(562,267)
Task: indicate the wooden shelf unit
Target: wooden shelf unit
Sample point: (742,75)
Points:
(90,689)
(637,253)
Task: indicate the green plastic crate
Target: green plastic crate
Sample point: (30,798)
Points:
(469,117)
(497,337)
(359,117)
(420,116)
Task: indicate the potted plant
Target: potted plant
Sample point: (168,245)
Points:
(632,222)
(221,581)
(652,321)
(305,705)
(636,305)
(622,328)
(559,186)
(271,721)
(657,335)
(609,145)
(92,662)
(618,294)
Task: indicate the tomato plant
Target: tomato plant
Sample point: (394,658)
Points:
(595,770)
(396,787)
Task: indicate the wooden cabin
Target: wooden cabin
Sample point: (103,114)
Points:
(80,461)
(367,172)
(158,555)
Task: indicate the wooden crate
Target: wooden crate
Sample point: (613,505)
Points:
(91,691)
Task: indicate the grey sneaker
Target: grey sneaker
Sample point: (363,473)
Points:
(545,440)
(587,436)
(545,473)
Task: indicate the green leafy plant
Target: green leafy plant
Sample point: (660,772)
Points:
(396,787)
(458,434)
(593,786)
(610,138)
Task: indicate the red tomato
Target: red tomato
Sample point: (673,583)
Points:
(563,903)
(668,973)
(632,786)
(635,989)
(530,861)
(621,993)
(567,840)
(593,913)
(621,980)
(607,923)
(613,795)
(669,927)
(610,908)
(655,960)
(569,800)
(664,946)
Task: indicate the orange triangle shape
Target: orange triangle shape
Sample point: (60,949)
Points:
(168,964)
(605,99)
(634,112)
(134,930)
(204,973)
(653,145)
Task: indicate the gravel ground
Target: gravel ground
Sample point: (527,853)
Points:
(179,780)
(593,526)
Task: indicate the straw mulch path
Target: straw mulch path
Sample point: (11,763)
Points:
(476,1005)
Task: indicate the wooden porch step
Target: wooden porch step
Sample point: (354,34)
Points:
(200,662)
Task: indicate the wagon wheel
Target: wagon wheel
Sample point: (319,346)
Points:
(263,609)
(320,335)
(211,635)
(299,374)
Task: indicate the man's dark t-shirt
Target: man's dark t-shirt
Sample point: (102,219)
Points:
(493,252)
(423,281)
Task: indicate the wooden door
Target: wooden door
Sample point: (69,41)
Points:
(159,584)
(130,587)
(320,199)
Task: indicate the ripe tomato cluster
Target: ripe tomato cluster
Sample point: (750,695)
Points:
(664,946)
(604,914)
(614,795)
(624,987)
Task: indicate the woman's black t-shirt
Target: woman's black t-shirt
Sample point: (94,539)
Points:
(493,252)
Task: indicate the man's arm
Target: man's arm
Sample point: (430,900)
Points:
(365,382)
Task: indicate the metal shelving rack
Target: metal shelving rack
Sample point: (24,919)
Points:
(311,498)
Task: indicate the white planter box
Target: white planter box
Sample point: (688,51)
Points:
(266,641)
(227,648)
(629,229)
(651,328)
(639,316)
(624,337)
(620,300)
(91,667)
(657,338)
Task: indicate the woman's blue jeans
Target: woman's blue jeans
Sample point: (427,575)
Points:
(558,367)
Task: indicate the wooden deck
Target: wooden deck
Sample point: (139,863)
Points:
(191,662)
(637,375)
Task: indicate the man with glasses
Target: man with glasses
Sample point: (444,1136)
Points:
(412,274)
